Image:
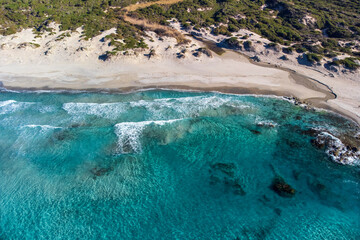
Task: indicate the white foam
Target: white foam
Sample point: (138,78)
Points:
(4,103)
(105,110)
(158,108)
(43,129)
(129,133)
(266,123)
(337,150)
(188,106)
(10,106)
(41,126)
(47,109)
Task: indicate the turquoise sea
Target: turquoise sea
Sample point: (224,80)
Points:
(163,164)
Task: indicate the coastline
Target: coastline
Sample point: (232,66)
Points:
(319,104)
(68,68)
(292,84)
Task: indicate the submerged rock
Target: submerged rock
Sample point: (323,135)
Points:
(227,168)
(293,144)
(277,211)
(316,186)
(296,174)
(77,125)
(310,132)
(214,180)
(62,135)
(238,189)
(256,132)
(99,171)
(223,173)
(282,188)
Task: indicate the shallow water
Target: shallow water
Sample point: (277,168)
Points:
(169,165)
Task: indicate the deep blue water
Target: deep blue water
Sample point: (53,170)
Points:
(169,165)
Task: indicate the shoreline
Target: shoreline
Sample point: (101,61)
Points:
(317,104)
(232,72)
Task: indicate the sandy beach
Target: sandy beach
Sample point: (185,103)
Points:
(73,63)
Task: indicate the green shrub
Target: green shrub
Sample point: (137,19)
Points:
(233,28)
(247,44)
(288,50)
(222,30)
(312,57)
(331,55)
(233,42)
(350,63)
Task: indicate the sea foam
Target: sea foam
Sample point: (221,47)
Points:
(189,106)
(4,103)
(41,128)
(157,108)
(105,110)
(337,151)
(129,133)
(10,106)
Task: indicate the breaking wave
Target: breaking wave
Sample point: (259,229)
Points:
(11,106)
(160,108)
(337,150)
(105,110)
(129,134)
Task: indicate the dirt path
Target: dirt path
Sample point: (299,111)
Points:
(161,30)
(136,6)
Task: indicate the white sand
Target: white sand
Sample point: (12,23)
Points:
(344,83)
(72,63)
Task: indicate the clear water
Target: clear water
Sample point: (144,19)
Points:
(169,165)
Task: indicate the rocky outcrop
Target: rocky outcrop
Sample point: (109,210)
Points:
(336,149)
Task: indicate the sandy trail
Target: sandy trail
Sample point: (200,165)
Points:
(134,7)
(161,29)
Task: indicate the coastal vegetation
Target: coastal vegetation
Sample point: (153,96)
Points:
(277,20)
(312,57)
(317,28)
(349,63)
(94,16)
